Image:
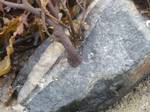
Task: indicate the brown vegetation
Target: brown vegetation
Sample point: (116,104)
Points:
(24,24)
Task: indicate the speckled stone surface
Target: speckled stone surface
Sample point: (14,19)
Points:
(115,57)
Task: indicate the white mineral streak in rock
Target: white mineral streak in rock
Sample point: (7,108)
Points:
(46,61)
(18,108)
(14,108)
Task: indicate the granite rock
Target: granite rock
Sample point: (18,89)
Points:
(116,56)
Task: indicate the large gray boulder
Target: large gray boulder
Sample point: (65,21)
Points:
(115,58)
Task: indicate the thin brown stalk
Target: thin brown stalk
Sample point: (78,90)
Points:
(70,19)
(25,5)
(148,1)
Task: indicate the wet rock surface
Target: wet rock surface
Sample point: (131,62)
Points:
(115,58)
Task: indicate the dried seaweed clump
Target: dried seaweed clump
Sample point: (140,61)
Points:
(24,24)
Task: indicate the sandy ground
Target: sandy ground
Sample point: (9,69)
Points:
(136,101)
